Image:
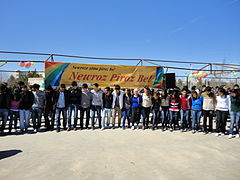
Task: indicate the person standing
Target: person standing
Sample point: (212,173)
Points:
(117,105)
(185,103)
(107,106)
(4,105)
(25,107)
(174,109)
(97,104)
(50,109)
(126,111)
(61,106)
(197,103)
(38,106)
(14,110)
(235,112)
(136,108)
(164,108)
(156,101)
(74,95)
(222,109)
(86,101)
(146,107)
(209,105)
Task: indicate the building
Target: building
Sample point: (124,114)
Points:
(18,73)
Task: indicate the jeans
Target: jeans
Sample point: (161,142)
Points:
(221,121)
(37,114)
(106,113)
(115,111)
(64,114)
(14,115)
(24,118)
(98,110)
(184,118)
(82,110)
(73,107)
(196,116)
(208,114)
(126,115)
(49,124)
(145,114)
(174,116)
(4,116)
(156,116)
(235,116)
(165,115)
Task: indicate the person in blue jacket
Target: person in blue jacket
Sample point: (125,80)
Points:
(197,104)
(136,107)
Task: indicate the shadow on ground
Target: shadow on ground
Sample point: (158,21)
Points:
(9,153)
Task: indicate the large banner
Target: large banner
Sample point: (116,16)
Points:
(57,73)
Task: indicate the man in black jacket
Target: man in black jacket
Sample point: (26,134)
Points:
(4,105)
(74,102)
(61,106)
(25,106)
(50,108)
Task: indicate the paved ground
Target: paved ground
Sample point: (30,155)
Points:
(119,154)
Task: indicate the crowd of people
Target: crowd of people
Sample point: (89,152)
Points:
(171,109)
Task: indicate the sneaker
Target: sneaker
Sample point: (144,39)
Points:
(93,128)
(123,128)
(217,134)
(58,130)
(194,131)
(35,130)
(143,128)
(230,136)
(182,130)
(171,130)
(137,127)
(102,128)
(237,135)
(205,132)
(132,127)
(68,129)
(222,134)
(185,130)
(113,127)
(74,129)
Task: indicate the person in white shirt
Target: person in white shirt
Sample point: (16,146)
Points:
(146,106)
(222,109)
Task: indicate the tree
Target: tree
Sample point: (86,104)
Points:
(180,83)
(12,81)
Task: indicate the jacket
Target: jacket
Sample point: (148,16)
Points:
(120,99)
(74,96)
(27,100)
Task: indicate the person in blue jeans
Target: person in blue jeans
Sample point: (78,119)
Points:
(156,102)
(38,106)
(74,95)
(234,113)
(4,105)
(126,111)
(107,107)
(61,106)
(197,104)
(97,103)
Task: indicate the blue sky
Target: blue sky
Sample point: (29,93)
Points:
(203,30)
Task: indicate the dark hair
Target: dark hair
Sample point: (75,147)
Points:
(236,85)
(208,88)
(36,86)
(108,88)
(74,83)
(84,85)
(49,88)
(96,84)
(195,92)
(176,95)
(222,91)
(117,87)
(63,86)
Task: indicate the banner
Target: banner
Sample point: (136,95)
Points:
(57,73)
